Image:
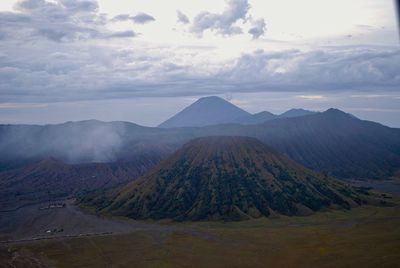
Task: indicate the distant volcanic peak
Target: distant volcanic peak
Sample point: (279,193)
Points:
(264,113)
(257,118)
(334,112)
(205,111)
(296,113)
(227,178)
(211,99)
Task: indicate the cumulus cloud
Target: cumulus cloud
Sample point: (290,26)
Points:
(223,23)
(122,17)
(258,28)
(140,18)
(182,18)
(58,21)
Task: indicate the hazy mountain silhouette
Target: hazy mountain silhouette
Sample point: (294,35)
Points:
(228,178)
(296,113)
(333,142)
(265,116)
(78,142)
(205,111)
(215,110)
(257,118)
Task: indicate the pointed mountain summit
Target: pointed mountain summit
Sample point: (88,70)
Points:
(228,178)
(205,111)
(296,113)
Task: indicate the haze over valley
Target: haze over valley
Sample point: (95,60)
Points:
(224,133)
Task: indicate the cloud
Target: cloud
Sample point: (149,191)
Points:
(64,51)
(374,96)
(223,23)
(311,97)
(182,18)
(374,110)
(321,69)
(57,21)
(258,28)
(22,105)
(93,72)
(140,18)
(80,5)
(123,34)
(122,17)
(57,10)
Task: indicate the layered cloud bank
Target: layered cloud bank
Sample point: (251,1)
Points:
(72,50)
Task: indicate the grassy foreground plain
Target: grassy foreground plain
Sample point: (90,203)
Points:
(363,237)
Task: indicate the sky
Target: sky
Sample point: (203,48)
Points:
(143,61)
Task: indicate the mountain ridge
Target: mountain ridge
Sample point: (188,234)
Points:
(296,112)
(333,142)
(213,110)
(205,111)
(228,178)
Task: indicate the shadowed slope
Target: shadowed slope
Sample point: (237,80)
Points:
(51,179)
(227,178)
(333,142)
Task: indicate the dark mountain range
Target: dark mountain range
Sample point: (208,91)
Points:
(257,118)
(262,117)
(52,179)
(296,113)
(228,178)
(215,110)
(332,142)
(206,111)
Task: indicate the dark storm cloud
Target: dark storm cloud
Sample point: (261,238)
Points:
(223,23)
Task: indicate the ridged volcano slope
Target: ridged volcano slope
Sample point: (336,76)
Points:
(228,178)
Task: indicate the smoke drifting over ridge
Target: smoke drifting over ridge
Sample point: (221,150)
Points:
(86,141)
